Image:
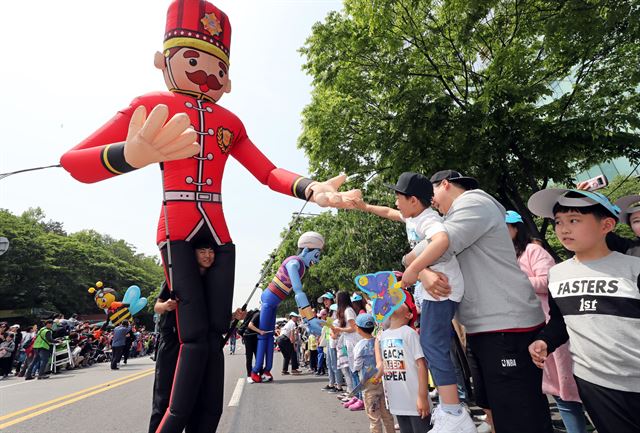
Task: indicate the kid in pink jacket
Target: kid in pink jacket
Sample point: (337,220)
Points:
(557,378)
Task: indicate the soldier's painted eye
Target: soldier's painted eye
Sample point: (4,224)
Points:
(221,73)
(193,62)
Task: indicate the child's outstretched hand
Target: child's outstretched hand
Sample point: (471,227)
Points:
(538,352)
(422,404)
(360,204)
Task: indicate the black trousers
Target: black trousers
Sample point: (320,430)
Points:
(288,354)
(313,359)
(413,424)
(611,411)
(116,355)
(127,351)
(166,359)
(507,382)
(5,365)
(203,316)
(250,349)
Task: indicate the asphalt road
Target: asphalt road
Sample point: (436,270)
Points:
(101,400)
(96,399)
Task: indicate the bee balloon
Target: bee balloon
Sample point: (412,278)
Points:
(117,312)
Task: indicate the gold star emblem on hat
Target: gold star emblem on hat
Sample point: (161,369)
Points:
(211,24)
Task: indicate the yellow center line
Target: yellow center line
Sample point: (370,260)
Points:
(109,383)
(71,398)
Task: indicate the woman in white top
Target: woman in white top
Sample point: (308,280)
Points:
(346,329)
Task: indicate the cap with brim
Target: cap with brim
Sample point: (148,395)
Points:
(365,320)
(455,177)
(334,307)
(356,297)
(327,295)
(411,304)
(413,184)
(512,217)
(628,205)
(292,314)
(542,202)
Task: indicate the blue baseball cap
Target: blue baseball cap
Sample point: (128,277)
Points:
(356,297)
(512,217)
(543,202)
(327,295)
(334,307)
(365,320)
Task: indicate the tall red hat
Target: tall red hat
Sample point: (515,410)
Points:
(198,24)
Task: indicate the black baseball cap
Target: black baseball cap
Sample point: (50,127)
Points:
(413,184)
(455,177)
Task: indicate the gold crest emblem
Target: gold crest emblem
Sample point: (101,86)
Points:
(211,24)
(225,138)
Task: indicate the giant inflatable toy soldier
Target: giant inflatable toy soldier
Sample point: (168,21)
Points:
(191,136)
(288,278)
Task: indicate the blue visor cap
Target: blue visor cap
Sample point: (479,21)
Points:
(365,320)
(543,202)
(356,297)
(327,295)
(512,217)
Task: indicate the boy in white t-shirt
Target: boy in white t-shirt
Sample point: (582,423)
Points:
(413,199)
(402,366)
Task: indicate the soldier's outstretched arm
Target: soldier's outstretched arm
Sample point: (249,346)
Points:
(131,140)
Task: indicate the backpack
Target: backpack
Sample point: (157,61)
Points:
(245,323)
(29,348)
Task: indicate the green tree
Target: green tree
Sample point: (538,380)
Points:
(518,93)
(356,243)
(47,268)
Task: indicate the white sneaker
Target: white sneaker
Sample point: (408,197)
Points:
(444,422)
(484,428)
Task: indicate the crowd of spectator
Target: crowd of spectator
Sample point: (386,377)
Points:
(526,329)
(60,343)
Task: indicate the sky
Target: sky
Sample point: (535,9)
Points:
(69,66)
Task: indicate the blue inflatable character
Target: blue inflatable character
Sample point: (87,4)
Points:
(288,277)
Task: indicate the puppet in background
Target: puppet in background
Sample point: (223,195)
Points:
(117,312)
(192,148)
(288,278)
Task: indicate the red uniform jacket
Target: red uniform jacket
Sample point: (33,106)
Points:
(192,185)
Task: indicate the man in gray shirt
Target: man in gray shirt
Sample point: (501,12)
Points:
(118,343)
(499,309)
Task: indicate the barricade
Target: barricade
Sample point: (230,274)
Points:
(61,355)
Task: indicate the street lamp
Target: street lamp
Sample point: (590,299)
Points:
(4,245)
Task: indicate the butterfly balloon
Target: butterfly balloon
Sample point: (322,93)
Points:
(385,292)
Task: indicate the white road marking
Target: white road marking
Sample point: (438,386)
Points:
(237,393)
(21,382)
